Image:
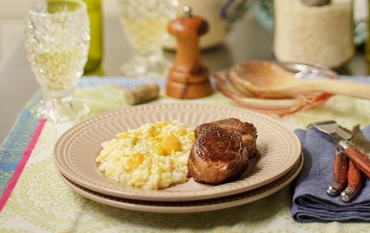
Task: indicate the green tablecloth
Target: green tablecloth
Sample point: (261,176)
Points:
(34,198)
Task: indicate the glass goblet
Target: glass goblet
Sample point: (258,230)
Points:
(144,23)
(57,38)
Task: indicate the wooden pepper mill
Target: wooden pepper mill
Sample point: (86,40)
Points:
(188,78)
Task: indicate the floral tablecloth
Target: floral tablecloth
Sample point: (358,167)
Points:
(34,198)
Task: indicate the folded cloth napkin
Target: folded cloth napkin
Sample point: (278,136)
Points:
(310,201)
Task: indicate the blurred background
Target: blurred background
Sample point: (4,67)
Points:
(255,27)
(12,14)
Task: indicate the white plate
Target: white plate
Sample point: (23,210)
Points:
(76,150)
(194,206)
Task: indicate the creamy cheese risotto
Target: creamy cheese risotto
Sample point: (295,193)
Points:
(154,156)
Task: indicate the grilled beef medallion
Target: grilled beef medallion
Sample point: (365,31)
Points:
(221,150)
(248,131)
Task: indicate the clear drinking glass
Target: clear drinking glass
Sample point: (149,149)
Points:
(144,23)
(57,38)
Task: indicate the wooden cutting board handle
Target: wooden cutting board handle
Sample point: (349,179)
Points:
(188,78)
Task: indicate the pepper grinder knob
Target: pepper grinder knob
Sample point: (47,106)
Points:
(188,78)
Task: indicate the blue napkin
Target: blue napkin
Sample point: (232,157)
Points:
(310,201)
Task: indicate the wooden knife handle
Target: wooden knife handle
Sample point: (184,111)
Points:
(340,170)
(354,179)
(358,158)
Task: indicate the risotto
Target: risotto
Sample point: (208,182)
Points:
(153,156)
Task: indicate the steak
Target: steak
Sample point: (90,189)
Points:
(221,150)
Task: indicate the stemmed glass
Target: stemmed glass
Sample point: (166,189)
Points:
(57,38)
(144,23)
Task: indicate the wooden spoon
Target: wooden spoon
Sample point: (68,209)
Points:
(270,80)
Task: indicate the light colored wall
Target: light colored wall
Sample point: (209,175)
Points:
(12,14)
(16,9)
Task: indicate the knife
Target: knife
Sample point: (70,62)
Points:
(355,176)
(340,168)
(354,183)
(357,156)
(341,165)
(340,173)
(360,141)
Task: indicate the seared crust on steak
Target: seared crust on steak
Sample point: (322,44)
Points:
(248,131)
(221,150)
